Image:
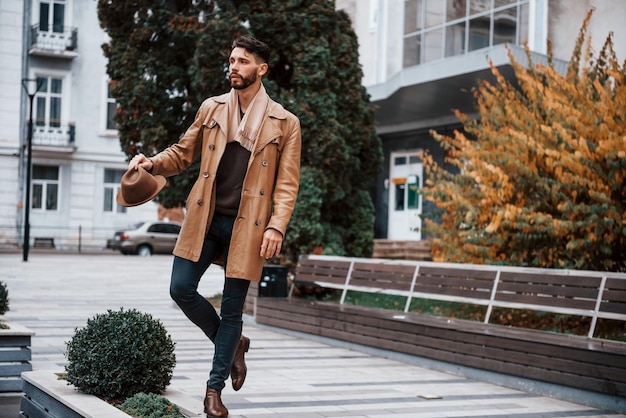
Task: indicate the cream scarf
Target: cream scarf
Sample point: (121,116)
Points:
(246,130)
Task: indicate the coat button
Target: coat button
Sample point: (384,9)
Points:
(211,147)
(264,163)
(262,191)
(258,222)
(200,202)
(205,174)
(212,124)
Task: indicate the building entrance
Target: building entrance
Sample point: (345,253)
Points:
(405,203)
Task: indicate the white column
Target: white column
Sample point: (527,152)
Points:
(538,26)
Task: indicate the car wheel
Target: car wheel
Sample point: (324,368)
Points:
(144,250)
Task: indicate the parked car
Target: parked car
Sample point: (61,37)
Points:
(146,238)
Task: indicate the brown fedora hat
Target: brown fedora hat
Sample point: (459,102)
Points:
(139,186)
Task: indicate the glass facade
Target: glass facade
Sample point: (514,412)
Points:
(436,29)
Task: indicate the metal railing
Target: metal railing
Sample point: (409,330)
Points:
(613,311)
(76,238)
(53,38)
(60,136)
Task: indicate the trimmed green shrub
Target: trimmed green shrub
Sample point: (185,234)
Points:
(119,354)
(4,298)
(150,405)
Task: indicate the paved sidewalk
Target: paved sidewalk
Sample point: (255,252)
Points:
(290,375)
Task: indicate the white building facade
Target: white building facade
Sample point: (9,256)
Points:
(77,160)
(421,59)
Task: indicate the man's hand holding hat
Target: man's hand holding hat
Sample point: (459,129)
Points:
(138,185)
(142,161)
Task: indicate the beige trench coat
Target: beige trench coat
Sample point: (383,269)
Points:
(270,187)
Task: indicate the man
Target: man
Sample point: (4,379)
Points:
(239,207)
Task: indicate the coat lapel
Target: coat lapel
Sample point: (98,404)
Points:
(270,129)
(219,115)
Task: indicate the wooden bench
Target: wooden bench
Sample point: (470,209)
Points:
(402,250)
(584,362)
(44,242)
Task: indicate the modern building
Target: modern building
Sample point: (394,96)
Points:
(421,59)
(77,160)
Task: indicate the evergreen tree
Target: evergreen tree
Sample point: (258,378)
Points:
(173,54)
(543,183)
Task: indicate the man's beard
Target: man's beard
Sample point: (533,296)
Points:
(245,82)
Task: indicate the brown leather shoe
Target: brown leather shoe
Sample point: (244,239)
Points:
(239,370)
(213,405)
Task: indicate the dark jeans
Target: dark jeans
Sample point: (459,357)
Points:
(225,332)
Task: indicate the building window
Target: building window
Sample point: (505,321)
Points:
(412,193)
(112,179)
(478,36)
(45,191)
(111,107)
(399,160)
(48,109)
(433,13)
(434,29)
(52,15)
(399,203)
(505,26)
(433,45)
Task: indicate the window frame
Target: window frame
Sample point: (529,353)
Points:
(48,97)
(52,15)
(45,184)
(105,116)
(114,188)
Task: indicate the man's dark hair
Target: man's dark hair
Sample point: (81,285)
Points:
(253,46)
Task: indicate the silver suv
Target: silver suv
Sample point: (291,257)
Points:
(146,238)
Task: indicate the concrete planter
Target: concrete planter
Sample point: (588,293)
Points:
(47,395)
(15,356)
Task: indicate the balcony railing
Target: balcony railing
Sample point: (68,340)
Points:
(60,136)
(54,41)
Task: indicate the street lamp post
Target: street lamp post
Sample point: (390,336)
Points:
(32,86)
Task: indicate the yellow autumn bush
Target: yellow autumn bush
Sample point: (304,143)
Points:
(541,171)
